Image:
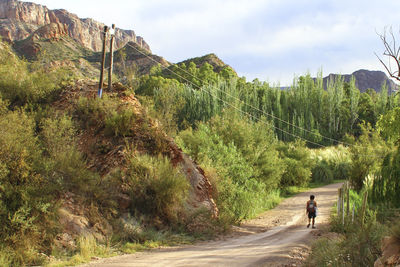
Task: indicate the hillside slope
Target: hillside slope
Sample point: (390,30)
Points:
(105,152)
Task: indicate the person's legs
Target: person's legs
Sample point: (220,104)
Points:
(309,219)
(313,221)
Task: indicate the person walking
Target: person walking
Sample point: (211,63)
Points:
(311,211)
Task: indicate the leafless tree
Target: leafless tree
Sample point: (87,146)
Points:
(392,51)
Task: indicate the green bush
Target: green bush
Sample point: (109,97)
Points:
(93,111)
(6,257)
(242,162)
(366,156)
(335,160)
(65,169)
(322,173)
(20,85)
(341,171)
(156,187)
(120,123)
(116,117)
(386,185)
(256,143)
(26,206)
(298,164)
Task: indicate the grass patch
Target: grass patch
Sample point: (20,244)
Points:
(88,248)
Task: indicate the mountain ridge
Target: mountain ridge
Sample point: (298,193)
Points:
(366,79)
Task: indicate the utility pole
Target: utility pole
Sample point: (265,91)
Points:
(103,60)
(110,70)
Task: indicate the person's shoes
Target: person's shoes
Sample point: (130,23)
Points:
(308,225)
(314,227)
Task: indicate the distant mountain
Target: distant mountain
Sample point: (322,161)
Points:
(366,79)
(19,20)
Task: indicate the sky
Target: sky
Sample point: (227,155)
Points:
(272,40)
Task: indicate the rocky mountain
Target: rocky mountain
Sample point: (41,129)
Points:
(366,79)
(19,20)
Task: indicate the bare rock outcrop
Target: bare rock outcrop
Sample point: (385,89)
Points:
(390,253)
(18,20)
(52,31)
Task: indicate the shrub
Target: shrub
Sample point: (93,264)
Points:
(110,113)
(386,185)
(334,159)
(256,143)
(65,169)
(156,187)
(322,173)
(298,164)
(120,123)
(6,257)
(242,160)
(341,171)
(93,111)
(20,85)
(366,156)
(26,207)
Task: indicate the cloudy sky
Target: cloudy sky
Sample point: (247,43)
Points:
(272,40)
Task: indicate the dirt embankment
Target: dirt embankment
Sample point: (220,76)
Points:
(278,237)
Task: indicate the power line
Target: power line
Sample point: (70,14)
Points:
(243,112)
(251,106)
(227,103)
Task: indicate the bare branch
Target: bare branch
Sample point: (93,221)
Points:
(391,51)
(391,74)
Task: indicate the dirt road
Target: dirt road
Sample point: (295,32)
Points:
(272,239)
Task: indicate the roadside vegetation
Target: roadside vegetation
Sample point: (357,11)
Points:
(234,129)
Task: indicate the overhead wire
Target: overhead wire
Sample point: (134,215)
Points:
(243,112)
(229,104)
(220,99)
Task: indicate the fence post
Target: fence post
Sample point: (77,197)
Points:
(348,200)
(343,196)
(364,206)
(339,202)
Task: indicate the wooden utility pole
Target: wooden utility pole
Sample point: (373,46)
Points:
(110,70)
(103,60)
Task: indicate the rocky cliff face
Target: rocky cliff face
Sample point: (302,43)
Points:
(18,20)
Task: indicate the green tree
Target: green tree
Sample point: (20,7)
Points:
(389,125)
